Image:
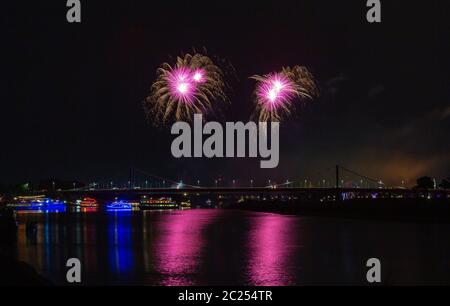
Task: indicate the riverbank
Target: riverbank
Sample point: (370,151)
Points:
(18,273)
(12,271)
(419,210)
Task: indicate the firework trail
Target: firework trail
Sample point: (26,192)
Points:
(275,93)
(190,86)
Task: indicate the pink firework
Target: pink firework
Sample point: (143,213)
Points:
(275,93)
(198,76)
(181,84)
(189,86)
(275,90)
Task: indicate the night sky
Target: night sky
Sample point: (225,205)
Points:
(71,93)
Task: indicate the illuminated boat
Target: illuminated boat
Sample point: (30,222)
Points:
(28,199)
(37,203)
(186,204)
(87,202)
(161,203)
(119,205)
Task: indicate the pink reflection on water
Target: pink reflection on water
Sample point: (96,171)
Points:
(270,248)
(179,255)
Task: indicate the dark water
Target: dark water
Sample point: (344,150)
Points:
(214,246)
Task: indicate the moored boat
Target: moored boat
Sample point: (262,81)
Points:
(118,205)
(39,202)
(87,202)
(160,203)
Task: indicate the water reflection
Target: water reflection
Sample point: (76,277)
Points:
(120,246)
(270,247)
(37,238)
(179,246)
(89,239)
(59,209)
(87,209)
(221,247)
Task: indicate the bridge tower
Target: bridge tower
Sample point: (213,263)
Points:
(337,176)
(338,192)
(130,179)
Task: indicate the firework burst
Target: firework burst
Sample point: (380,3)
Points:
(192,85)
(276,93)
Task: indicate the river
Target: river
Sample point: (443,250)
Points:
(231,247)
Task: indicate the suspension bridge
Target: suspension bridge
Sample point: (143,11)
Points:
(347,183)
(151,181)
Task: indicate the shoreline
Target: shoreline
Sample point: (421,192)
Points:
(401,210)
(14,272)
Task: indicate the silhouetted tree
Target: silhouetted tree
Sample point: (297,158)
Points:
(445,184)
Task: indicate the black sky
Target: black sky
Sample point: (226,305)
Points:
(71,93)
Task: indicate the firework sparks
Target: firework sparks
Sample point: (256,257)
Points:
(199,76)
(180,84)
(190,86)
(276,93)
(275,90)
